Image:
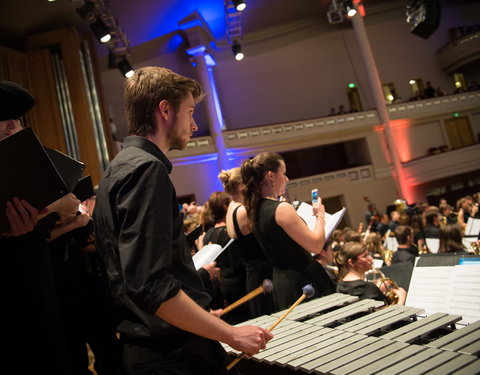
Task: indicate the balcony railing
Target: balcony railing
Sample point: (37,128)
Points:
(299,131)
(442,165)
(460,52)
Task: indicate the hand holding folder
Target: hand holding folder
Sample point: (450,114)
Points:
(31,175)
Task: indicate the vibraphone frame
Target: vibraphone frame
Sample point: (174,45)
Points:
(339,334)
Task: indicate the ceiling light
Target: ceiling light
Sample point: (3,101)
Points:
(239,5)
(349,8)
(237,51)
(125,67)
(101,31)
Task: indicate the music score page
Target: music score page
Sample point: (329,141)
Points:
(453,290)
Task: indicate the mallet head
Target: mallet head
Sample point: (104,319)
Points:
(308,290)
(267,286)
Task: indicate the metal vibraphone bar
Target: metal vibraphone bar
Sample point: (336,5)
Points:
(340,335)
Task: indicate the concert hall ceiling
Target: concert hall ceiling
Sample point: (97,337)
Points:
(145,20)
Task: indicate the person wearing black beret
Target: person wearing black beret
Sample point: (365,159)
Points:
(15,101)
(33,328)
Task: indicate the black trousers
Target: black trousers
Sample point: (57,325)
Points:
(195,356)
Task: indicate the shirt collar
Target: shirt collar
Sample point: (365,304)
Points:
(148,146)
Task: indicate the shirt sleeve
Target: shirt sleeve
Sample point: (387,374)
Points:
(144,215)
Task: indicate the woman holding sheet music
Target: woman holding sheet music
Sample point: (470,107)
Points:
(284,237)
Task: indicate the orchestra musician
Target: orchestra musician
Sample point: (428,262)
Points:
(240,228)
(165,326)
(284,237)
(354,261)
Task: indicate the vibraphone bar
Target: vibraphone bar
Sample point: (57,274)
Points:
(340,335)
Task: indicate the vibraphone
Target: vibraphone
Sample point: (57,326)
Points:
(339,334)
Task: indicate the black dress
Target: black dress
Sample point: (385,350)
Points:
(293,266)
(33,326)
(233,274)
(257,269)
(362,289)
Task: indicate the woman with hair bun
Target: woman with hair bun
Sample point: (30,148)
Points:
(239,228)
(285,239)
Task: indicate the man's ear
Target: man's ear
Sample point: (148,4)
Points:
(164,109)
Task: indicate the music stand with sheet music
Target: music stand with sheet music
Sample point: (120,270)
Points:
(448,283)
(472,231)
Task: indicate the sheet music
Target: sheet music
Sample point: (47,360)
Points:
(465,297)
(390,243)
(453,290)
(473,227)
(305,211)
(433,244)
(208,254)
(428,288)
(467,241)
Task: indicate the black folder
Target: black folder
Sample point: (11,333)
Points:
(27,173)
(194,234)
(69,168)
(84,188)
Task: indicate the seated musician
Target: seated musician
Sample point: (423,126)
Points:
(376,248)
(406,250)
(284,237)
(451,240)
(354,261)
(326,259)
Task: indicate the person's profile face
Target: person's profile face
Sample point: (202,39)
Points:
(183,124)
(280,179)
(9,127)
(328,254)
(363,262)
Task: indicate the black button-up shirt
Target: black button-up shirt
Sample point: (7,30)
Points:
(140,238)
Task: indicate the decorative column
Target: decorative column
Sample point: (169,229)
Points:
(199,36)
(377,91)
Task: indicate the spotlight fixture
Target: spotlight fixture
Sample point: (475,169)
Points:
(237,51)
(125,67)
(101,31)
(349,8)
(239,5)
(86,9)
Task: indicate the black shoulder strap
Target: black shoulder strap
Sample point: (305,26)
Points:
(235,223)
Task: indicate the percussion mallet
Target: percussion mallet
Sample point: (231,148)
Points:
(266,287)
(308,292)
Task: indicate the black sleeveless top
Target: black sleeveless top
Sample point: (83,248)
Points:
(362,289)
(293,266)
(257,267)
(248,244)
(281,251)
